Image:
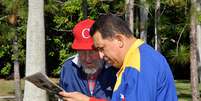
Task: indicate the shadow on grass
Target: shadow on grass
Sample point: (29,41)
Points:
(183,81)
(11,93)
(184,96)
(183,88)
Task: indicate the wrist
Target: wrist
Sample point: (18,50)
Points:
(96,99)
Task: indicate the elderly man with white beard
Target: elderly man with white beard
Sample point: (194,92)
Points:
(85,76)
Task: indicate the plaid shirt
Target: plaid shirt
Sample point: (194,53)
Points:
(92,83)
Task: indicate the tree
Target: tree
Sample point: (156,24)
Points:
(199,39)
(35,49)
(13,21)
(193,53)
(144,19)
(10,25)
(84,8)
(156,22)
(129,16)
(12,36)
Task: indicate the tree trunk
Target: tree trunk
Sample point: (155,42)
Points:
(35,49)
(193,53)
(84,8)
(199,41)
(129,7)
(144,20)
(156,24)
(13,22)
(16,72)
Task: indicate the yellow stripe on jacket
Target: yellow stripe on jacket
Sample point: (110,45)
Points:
(132,59)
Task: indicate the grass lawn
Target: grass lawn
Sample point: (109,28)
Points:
(7,87)
(183,88)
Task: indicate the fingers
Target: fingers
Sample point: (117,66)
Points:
(73,96)
(68,96)
(64,94)
(67,99)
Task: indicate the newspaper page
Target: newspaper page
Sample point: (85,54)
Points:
(42,81)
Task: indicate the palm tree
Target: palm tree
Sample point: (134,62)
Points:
(35,49)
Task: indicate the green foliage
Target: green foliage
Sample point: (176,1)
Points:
(8,33)
(72,7)
(176,3)
(106,8)
(60,21)
(199,17)
(2,52)
(173,29)
(180,56)
(62,15)
(6,69)
(8,4)
(51,7)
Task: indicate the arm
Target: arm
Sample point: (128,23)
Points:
(76,96)
(95,99)
(160,88)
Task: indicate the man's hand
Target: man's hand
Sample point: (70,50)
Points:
(74,96)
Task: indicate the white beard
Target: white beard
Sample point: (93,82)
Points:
(91,71)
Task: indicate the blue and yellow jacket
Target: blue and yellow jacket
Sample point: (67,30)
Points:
(72,78)
(144,76)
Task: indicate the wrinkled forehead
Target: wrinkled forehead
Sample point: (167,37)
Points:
(86,51)
(98,40)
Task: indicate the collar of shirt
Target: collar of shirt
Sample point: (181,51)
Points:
(92,82)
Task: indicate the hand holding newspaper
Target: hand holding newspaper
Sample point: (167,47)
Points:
(42,81)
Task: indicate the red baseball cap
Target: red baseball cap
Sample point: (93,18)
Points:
(82,38)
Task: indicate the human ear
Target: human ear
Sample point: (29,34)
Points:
(119,40)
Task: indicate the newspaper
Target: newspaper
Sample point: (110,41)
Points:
(42,81)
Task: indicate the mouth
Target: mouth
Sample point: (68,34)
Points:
(89,65)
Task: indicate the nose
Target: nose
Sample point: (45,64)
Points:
(87,58)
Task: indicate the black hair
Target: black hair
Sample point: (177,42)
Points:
(109,25)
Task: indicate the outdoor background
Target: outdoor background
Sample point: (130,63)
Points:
(172,27)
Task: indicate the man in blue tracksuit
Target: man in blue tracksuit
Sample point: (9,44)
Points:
(73,78)
(144,73)
(85,76)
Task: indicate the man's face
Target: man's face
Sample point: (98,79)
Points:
(108,49)
(90,61)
